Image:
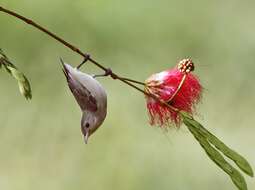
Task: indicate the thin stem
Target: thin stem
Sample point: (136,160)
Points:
(85,55)
(134,81)
(70,46)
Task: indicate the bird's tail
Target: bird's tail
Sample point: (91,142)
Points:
(64,69)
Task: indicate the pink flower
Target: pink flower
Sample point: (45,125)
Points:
(177,87)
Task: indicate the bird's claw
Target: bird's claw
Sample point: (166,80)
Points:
(86,58)
(108,72)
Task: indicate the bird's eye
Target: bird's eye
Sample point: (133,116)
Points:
(87,125)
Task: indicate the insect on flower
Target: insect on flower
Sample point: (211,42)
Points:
(177,87)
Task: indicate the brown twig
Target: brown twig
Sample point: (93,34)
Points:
(85,55)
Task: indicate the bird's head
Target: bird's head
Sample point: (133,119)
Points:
(90,122)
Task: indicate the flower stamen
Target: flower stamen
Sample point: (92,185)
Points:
(178,89)
(170,92)
(186,66)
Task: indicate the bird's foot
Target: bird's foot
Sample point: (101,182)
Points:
(86,58)
(108,72)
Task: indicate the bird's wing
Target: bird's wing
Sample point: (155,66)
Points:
(82,95)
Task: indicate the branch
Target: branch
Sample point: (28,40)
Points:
(85,56)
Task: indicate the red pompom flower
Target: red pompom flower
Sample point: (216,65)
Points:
(178,88)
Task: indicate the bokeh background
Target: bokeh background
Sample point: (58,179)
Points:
(41,146)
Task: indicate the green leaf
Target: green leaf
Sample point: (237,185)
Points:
(216,157)
(233,155)
(5,61)
(22,80)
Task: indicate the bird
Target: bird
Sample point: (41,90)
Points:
(90,96)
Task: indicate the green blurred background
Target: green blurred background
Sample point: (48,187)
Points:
(41,146)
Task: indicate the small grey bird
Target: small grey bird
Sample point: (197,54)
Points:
(91,97)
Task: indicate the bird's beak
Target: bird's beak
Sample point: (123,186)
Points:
(86,137)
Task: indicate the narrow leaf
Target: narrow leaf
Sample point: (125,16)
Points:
(216,157)
(5,61)
(23,82)
(233,155)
